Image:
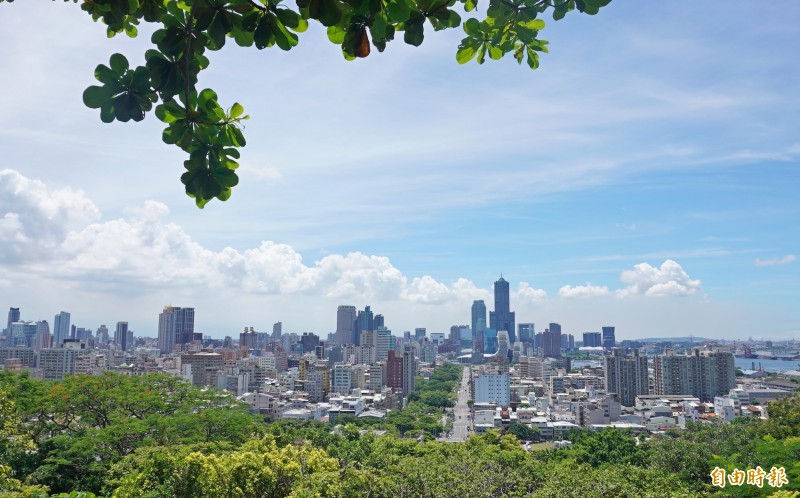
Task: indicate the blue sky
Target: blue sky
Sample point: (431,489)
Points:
(645,176)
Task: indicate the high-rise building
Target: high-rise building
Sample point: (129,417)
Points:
(277,331)
(248,339)
(121,336)
(43,338)
(478,326)
(703,374)
(609,340)
(409,370)
(503,343)
(364,321)
(101,335)
(502,318)
(551,341)
(393,372)
(13,316)
(626,375)
(591,339)
(60,329)
(420,333)
(526,332)
(309,341)
(382,343)
(175,327)
(493,388)
(345,320)
(378,322)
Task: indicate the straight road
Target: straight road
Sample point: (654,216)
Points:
(462,425)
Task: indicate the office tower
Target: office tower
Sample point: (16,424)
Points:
(130,341)
(23,334)
(551,341)
(626,375)
(309,341)
(175,327)
(72,332)
(609,341)
(277,331)
(13,316)
(378,322)
(382,343)
(43,338)
(101,335)
(478,325)
(364,321)
(490,341)
(526,332)
(455,334)
(409,370)
(502,318)
(345,321)
(60,329)
(420,333)
(591,339)
(702,374)
(248,339)
(121,336)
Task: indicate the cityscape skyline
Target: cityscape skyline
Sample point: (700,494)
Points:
(660,197)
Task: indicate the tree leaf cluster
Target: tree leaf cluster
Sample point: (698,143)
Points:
(187,29)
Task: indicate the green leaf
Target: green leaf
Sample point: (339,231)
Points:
(119,64)
(95,96)
(535,24)
(398,10)
(472,27)
(469,5)
(236,110)
(467,50)
(414,31)
(336,34)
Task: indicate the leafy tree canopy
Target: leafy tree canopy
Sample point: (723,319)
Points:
(210,134)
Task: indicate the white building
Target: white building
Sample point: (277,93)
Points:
(493,388)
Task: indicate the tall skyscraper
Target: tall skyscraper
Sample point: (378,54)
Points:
(609,340)
(365,321)
(591,339)
(410,365)
(277,331)
(551,341)
(175,327)
(626,375)
(345,320)
(121,336)
(478,325)
(61,329)
(526,332)
(102,335)
(502,318)
(13,316)
(420,333)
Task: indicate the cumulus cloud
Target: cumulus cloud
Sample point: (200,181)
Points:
(34,219)
(668,280)
(583,291)
(528,294)
(789,258)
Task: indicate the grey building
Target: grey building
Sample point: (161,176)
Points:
(626,376)
(502,318)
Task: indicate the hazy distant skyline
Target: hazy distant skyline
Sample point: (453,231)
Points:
(645,177)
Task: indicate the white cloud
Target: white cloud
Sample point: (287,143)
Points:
(668,280)
(35,219)
(789,258)
(528,294)
(583,291)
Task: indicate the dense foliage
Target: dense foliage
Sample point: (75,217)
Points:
(156,436)
(188,29)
